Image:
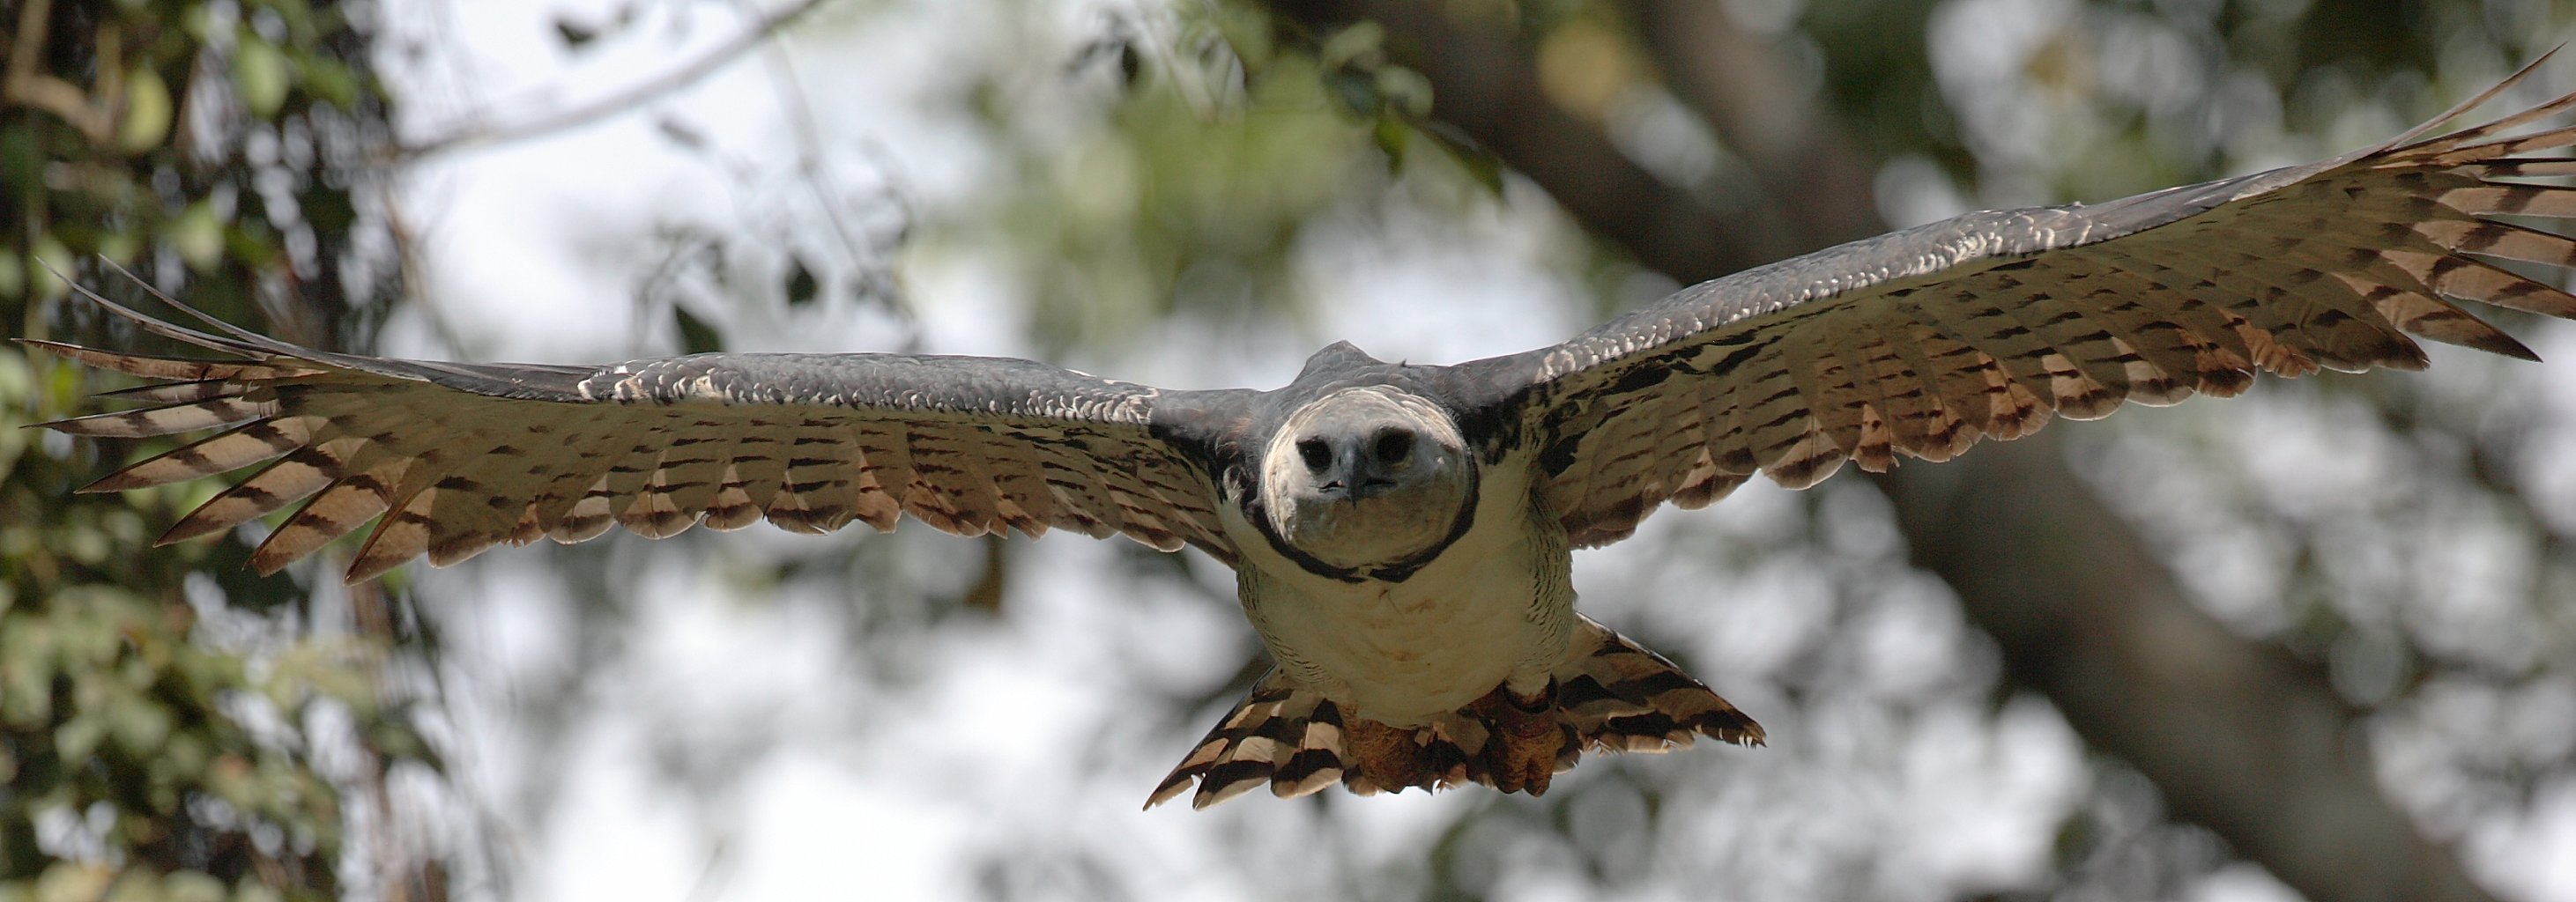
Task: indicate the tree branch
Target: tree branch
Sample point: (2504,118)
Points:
(1817,178)
(633,95)
(2241,737)
(1486,85)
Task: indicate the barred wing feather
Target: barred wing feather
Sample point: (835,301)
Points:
(1920,342)
(450,459)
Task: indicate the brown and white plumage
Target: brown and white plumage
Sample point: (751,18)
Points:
(1618,697)
(459,457)
(1402,532)
(1921,342)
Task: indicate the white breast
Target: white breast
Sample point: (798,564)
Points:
(1496,605)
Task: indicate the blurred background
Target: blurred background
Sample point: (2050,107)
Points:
(2318,642)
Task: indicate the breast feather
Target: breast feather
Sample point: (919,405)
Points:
(1495,605)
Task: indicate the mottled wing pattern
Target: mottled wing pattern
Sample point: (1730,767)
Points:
(1921,342)
(451,459)
(1618,697)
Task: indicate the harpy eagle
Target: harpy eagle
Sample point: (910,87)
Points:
(1401,533)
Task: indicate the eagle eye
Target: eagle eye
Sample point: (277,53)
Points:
(1394,444)
(1314,453)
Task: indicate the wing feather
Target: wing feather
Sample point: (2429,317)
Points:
(447,460)
(1922,342)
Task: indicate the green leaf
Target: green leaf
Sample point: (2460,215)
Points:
(1405,91)
(136,885)
(1359,44)
(1244,30)
(191,886)
(68,881)
(1356,91)
(147,111)
(140,725)
(329,81)
(574,34)
(250,889)
(120,246)
(1391,135)
(259,72)
(397,740)
(198,236)
(26,671)
(51,257)
(696,337)
(230,779)
(21,163)
(79,736)
(185,757)
(802,288)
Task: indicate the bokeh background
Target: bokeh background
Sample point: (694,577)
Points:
(2318,642)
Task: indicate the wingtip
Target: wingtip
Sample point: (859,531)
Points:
(120,481)
(65,350)
(2497,342)
(189,527)
(234,340)
(209,319)
(369,566)
(2478,99)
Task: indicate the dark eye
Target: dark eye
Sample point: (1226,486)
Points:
(1394,445)
(1313,452)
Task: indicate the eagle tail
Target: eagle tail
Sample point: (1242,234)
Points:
(1611,695)
(1619,697)
(1285,737)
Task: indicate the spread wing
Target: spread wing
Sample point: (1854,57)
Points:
(458,457)
(1920,342)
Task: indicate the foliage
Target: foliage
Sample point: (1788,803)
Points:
(158,731)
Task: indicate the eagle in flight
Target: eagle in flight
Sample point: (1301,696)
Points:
(1401,533)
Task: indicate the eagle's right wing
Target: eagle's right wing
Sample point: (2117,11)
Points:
(459,457)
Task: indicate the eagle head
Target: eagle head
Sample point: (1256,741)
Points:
(1365,476)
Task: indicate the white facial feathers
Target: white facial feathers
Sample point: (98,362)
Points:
(1365,476)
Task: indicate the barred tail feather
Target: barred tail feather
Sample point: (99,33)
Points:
(1288,738)
(1611,695)
(1623,698)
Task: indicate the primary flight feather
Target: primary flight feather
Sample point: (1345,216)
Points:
(1402,533)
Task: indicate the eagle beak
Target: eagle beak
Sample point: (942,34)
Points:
(1360,476)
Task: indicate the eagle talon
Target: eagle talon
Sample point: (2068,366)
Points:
(1543,701)
(1528,738)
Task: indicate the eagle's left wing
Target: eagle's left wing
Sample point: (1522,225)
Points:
(449,459)
(1922,341)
